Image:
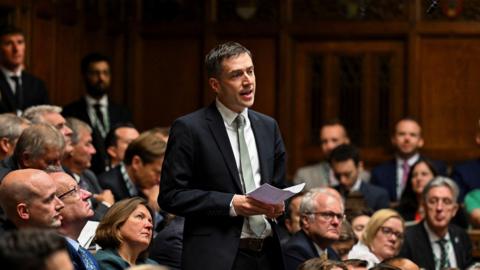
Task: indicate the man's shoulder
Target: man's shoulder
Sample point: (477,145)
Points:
(298,240)
(75,105)
(28,76)
(373,189)
(468,166)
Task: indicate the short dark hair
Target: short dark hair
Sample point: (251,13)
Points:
(112,138)
(214,59)
(10,30)
(345,152)
(93,58)
(28,249)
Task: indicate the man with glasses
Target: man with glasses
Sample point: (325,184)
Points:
(346,167)
(322,215)
(29,199)
(75,215)
(435,243)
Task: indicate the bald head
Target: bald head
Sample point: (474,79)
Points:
(28,199)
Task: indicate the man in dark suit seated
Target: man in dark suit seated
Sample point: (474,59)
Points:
(322,215)
(40,146)
(393,174)
(117,141)
(75,214)
(435,243)
(345,163)
(215,156)
(77,162)
(18,89)
(95,108)
(139,174)
(28,198)
(467,175)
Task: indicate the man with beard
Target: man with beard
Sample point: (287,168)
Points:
(95,108)
(393,174)
(435,243)
(321,220)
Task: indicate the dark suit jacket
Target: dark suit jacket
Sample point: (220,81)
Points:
(416,246)
(200,177)
(116,114)
(167,245)
(34,93)
(376,198)
(466,175)
(300,248)
(113,180)
(385,176)
(7,165)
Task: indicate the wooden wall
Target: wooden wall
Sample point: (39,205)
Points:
(366,64)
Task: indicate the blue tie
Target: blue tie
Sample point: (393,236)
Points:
(87,259)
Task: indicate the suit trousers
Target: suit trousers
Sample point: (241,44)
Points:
(258,260)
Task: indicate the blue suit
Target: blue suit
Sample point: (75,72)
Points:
(385,176)
(77,262)
(200,177)
(300,248)
(467,177)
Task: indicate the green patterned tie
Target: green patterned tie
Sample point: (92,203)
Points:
(256,223)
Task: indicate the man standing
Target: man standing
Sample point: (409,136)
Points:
(322,215)
(393,174)
(435,243)
(95,108)
(214,157)
(19,89)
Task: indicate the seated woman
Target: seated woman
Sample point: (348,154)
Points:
(125,233)
(422,172)
(382,238)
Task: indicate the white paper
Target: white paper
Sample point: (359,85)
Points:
(269,194)
(88,233)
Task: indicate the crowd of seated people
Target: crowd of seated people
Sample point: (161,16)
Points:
(79,189)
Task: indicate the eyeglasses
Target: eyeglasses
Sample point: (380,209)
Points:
(328,216)
(389,232)
(74,191)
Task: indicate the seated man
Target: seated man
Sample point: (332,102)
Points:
(139,174)
(332,134)
(78,162)
(75,215)
(40,147)
(12,127)
(345,164)
(34,249)
(322,214)
(466,175)
(28,198)
(407,141)
(117,141)
(435,243)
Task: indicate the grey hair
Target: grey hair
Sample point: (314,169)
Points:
(77,125)
(35,113)
(36,139)
(441,181)
(308,204)
(11,126)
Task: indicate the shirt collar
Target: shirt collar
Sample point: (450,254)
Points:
(103,101)
(227,114)
(72,242)
(356,186)
(410,161)
(9,73)
(432,236)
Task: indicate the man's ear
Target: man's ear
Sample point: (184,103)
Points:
(22,211)
(137,162)
(25,160)
(420,143)
(5,145)
(214,84)
(111,151)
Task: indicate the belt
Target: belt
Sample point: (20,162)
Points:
(252,244)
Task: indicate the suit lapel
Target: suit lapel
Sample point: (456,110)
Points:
(219,133)
(457,246)
(423,243)
(260,136)
(7,95)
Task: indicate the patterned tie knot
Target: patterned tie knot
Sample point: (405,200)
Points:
(240,121)
(442,241)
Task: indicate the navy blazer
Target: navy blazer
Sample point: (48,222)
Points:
(376,198)
(200,177)
(466,175)
(300,249)
(385,176)
(113,180)
(116,114)
(416,246)
(34,93)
